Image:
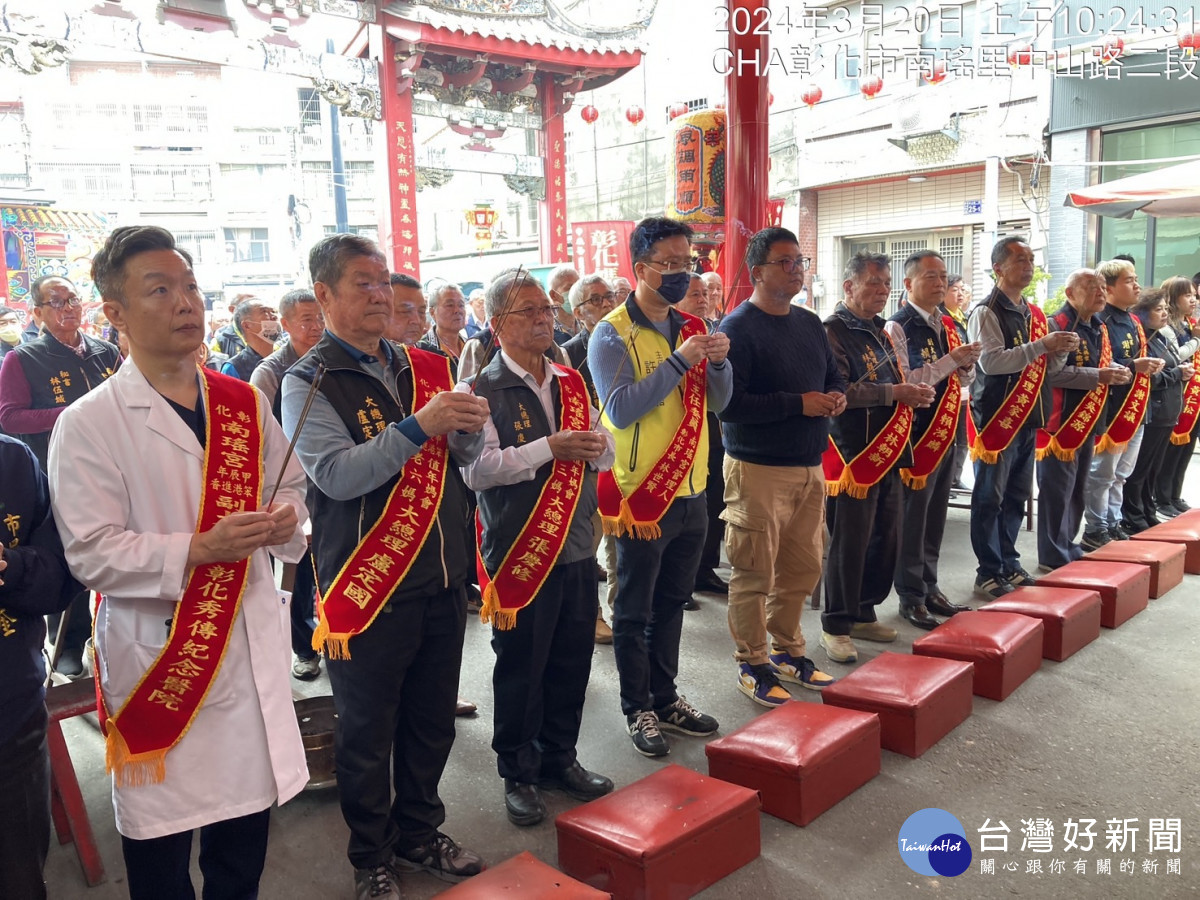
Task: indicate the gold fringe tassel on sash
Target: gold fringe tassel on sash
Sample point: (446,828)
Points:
(980,453)
(913,483)
(623,524)
(501,619)
(129,769)
(1180,439)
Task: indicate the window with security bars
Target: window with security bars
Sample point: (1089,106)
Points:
(166,183)
(201,245)
(951,249)
(247,245)
(94,181)
(310,106)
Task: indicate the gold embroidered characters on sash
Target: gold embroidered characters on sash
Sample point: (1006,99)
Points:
(997,434)
(939,436)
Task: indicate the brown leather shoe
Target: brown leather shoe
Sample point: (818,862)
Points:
(603,632)
(465,708)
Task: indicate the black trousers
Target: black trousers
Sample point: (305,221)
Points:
(541,674)
(1138,504)
(395,700)
(922,525)
(1168,484)
(714,495)
(303,592)
(1060,504)
(232,855)
(25,810)
(79,622)
(654,579)
(864,543)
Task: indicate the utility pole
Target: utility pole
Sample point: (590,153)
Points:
(340,213)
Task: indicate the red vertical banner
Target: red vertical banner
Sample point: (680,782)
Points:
(775,213)
(552,217)
(602,248)
(398,231)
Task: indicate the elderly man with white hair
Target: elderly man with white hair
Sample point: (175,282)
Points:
(559,283)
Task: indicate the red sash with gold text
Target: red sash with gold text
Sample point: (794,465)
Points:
(388,550)
(988,444)
(1182,432)
(1078,426)
(161,708)
(929,451)
(1128,418)
(533,554)
(639,513)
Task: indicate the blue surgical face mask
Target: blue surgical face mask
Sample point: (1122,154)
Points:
(675,286)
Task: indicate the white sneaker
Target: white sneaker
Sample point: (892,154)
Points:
(306,669)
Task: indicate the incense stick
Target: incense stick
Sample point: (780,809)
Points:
(308,402)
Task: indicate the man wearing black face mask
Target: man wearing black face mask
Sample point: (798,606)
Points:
(259,324)
(657,371)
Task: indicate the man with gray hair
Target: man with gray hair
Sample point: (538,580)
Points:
(1065,445)
(383,442)
(476,317)
(560,281)
(716,294)
(258,323)
(448,311)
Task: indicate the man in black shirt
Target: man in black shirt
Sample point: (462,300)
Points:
(786,386)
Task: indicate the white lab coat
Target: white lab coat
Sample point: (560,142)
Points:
(125,474)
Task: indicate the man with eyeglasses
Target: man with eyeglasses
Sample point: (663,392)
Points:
(657,372)
(536,482)
(621,289)
(590,300)
(786,388)
(383,441)
(38,380)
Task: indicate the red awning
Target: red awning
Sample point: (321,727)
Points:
(1173,192)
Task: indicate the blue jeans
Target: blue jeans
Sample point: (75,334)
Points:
(998,506)
(654,580)
(1106,485)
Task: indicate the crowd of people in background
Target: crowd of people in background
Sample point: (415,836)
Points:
(504,454)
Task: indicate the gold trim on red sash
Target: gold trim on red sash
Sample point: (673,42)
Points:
(1182,432)
(1078,426)
(938,438)
(161,708)
(639,513)
(390,547)
(533,554)
(1014,410)
(1128,418)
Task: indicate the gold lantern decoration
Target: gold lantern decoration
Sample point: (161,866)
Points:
(696,170)
(481,218)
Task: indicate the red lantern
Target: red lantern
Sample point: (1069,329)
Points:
(634,114)
(1111,50)
(720,105)
(675,110)
(1020,56)
(770,99)
(870,86)
(589,114)
(936,75)
(812,96)
(1188,43)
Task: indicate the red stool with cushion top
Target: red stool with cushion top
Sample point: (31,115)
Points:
(919,699)
(1124,588)
(669,835)
(1005,648)
(1183,531)
(1164,560)
(524,877)
(1070,616)
(802,758)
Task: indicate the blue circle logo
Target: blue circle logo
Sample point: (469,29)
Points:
(933,842)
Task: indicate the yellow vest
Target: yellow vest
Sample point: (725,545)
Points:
(643,443)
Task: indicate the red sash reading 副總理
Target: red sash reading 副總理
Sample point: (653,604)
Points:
(161,708)
(1078,426)
(1182,432)
(997,434)
(388,550)
(639,513)
(929,451)
(860,474)
(528,562)
(1128,417)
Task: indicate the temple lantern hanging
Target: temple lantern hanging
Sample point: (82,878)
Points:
(870,86)
(589,114)
(696,171)
(936,75)
(481,218)
(812,96)
(634,114)
(675,110)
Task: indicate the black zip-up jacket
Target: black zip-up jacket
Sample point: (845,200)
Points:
(988,391)
(1166,386)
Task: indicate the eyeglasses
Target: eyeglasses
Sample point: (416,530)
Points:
(532,312)
(63,304)
(673,266)
(788,264)
(600,299)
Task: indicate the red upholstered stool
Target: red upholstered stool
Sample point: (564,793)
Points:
(1005,649)
(670,835)
(919,699)
(1179,531)
(1124,588)
(524,877)
(1070,616)
(1164,560)
(802,758)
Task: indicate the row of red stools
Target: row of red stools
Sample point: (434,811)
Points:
(676,832)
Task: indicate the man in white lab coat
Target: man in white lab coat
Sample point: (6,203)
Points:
(160,483)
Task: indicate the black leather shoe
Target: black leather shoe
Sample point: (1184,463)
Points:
(939,604)
(577,782)
(523,803)
(919,616)
(710,583)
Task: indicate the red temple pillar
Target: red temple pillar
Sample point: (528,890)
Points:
(552,212)
(398,220)
(746,146)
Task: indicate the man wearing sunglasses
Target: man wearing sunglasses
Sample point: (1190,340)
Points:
(40,379)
